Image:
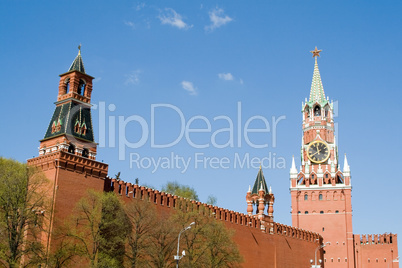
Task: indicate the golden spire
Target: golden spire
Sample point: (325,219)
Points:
(316,52)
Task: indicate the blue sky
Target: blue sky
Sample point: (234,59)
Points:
(204,60)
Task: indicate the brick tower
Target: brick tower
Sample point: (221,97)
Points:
(67,152)
(263,199)
(320,191)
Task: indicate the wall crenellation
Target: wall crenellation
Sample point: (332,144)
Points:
(370,239)
(168,201)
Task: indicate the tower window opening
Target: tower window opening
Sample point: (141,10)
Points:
(317,111)
(326,176)
(321,212)
(336,211)
(305,212)
(81,87)
(305,197)
(85,153)
(71,148)
(67,85)
(323,229)
(320,197)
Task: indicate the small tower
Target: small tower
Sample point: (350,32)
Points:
(261,198)
(70,128)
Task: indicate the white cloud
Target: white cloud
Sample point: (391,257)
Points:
(130,24)
(226,76)
(218,19)
(189,87)
(140,6)
(174,19)
(133,78)
(241,81)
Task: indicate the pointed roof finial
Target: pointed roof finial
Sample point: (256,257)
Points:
(270,190)
(78,64)
(346,167)
(249,189)
(293,169)
(259,183)
(316,52)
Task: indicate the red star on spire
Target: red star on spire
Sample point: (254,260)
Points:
(316,52)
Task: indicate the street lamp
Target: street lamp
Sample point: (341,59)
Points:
(178,257)
(315,256)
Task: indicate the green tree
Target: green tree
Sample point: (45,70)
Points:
(221,250)
(99,226)
(114,229)
(180,190)
(23,206)
(208,243)
(212,200)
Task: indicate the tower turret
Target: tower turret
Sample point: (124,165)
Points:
(70,128)
(261,198)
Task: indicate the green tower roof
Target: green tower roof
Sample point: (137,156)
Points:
(258,181)
(78,64)
(317,94)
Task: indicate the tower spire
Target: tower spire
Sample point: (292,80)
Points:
(78,64)
(260,183)
(317,90)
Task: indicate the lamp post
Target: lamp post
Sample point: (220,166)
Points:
(178,257)
(315,256)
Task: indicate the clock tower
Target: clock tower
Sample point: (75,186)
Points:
(320,191)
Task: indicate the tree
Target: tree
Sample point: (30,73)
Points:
(99,226)
(163,241)
(221,250)
(114,229)
(212,200)
(208,243)
(180,190)
(143,219)
(23,205)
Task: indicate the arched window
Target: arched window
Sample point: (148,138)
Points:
(81,87)
(317,111)
(77,127)
(320,197)
(54,127)
(84,129)
(305,197)
(71,148)
(67,86)
(85,153)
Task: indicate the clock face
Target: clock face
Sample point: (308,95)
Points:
(318,152)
